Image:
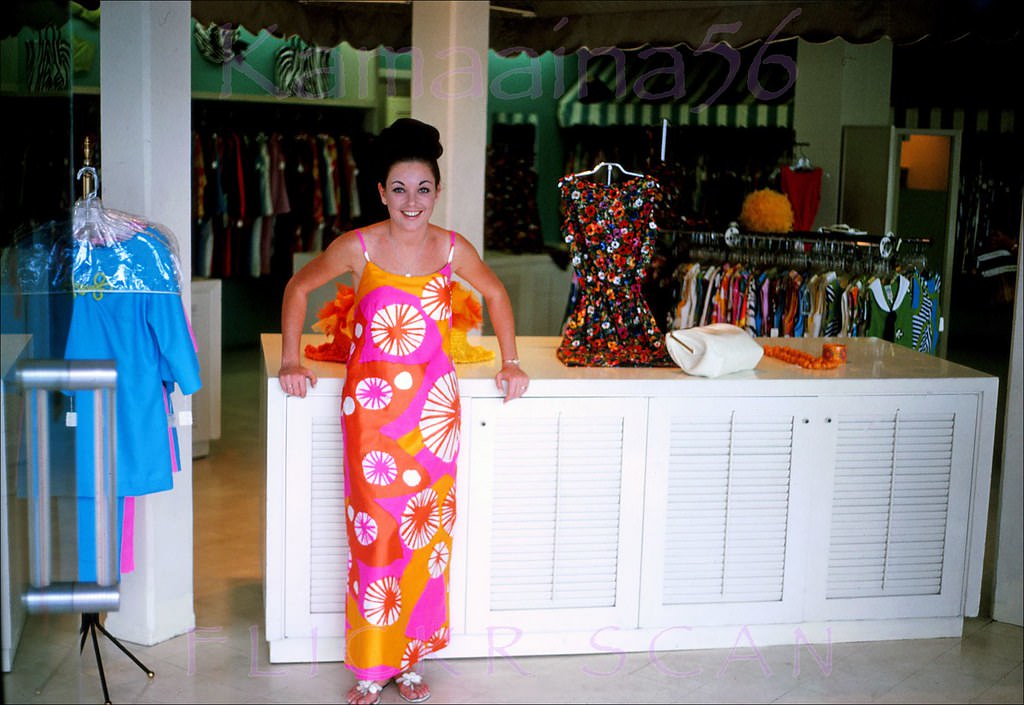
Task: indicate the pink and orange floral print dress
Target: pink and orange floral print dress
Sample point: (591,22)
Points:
(401,423)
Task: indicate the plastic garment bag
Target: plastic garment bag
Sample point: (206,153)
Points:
(136,255)
(61,256)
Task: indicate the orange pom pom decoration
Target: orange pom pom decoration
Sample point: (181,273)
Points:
(767,211)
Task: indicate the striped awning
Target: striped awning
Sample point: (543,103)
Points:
(968,120)
(753,88)
(515,118)
(678,115)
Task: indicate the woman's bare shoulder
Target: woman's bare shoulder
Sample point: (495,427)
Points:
(351,242)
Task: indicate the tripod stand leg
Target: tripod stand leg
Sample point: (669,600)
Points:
(85,634)
(99,660)
(90,625)
(121,646)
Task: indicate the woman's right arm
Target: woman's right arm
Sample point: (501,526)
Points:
(333,262)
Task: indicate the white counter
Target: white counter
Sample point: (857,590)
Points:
(871,361)
(641,508)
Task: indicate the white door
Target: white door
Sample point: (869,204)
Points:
(722,529)
(555,509)
(893,529)
(316,555)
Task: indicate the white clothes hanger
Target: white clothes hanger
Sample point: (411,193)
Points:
(609,166)
(802,163)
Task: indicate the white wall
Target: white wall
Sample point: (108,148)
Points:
(838,84)
(450,92)
(145,133)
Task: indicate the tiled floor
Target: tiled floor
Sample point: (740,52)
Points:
(225,659)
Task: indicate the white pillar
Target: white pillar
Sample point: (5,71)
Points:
(145,146)
(1008,604)
(449,91)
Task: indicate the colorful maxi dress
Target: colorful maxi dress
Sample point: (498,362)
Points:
(401,425)
(612,234)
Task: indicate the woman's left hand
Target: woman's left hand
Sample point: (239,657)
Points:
(512,380)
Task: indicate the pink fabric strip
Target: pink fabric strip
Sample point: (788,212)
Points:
(128,536)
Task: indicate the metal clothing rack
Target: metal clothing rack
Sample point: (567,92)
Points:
(827,247)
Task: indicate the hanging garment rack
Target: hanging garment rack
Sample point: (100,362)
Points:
(802,249)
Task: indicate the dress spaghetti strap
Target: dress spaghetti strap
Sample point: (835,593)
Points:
(451,248)
(366,255)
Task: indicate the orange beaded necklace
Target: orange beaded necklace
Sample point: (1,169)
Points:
(799,357)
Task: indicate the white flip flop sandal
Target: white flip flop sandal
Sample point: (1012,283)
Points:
(410,679)
(365,688)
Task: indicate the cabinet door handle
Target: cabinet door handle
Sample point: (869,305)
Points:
(828,419)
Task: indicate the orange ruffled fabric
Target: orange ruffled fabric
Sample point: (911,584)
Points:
(467,314)
(335,321)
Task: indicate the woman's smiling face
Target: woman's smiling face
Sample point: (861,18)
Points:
(410,193)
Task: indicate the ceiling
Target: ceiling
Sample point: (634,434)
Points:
(549,25)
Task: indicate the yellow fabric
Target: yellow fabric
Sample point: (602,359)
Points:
(463,351)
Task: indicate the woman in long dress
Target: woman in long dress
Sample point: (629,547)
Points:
(400,410)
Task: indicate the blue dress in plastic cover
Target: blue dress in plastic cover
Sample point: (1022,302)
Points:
(107,286)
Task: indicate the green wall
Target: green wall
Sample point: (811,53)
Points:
(532,84)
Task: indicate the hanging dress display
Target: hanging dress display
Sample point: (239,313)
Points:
(401,426)
(118,279)
(611,233)
(127,307)
(803,189)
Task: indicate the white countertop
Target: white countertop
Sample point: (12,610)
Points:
(873,366)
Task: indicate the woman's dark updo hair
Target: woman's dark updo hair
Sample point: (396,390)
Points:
(409,140)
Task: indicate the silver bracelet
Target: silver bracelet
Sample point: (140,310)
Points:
(511,361)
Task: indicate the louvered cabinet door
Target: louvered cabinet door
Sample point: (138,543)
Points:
(317,553)
(554,515)
(722,532)
(895,524)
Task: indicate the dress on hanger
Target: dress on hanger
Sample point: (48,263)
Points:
(890,317)
(401,425)
(926,318)
(611,233)
(127,307)
(803,188)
